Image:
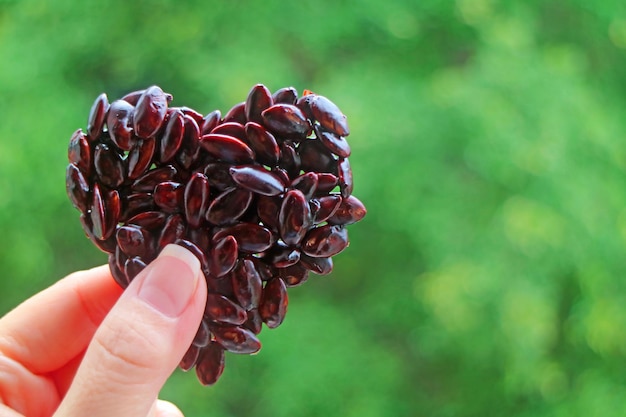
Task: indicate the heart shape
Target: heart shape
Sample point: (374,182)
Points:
(261,196)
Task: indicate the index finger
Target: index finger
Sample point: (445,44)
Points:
(52,327)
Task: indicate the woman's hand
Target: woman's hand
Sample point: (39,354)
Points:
(84,348)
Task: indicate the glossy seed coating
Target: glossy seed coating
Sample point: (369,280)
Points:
(261,197)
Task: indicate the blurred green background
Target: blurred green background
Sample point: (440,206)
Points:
(489,145)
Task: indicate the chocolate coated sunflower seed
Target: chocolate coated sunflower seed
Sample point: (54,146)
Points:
(97,114)
(172,137)
(173,230)
(237,113)
(203,335)
(250,237)
(294,218)
(120,124)
(150,179)
(351,210)
(134,241)
(335,143)
(210,121)
(325,241)
(77,188)
(196,199)
(320,266)
(233,129)
(140,157)
(79,152)
(259,99)
(227,148)
(257,179)
(169,196)
(263,143)
(346,184)
(247,285)
(328,205)
(288,120)
(223,255)
(274,303)
(329,116)
(236,339)
(286,95)
(222,310)
(294,275)
(228,206)
(109,166)
(210,364)
(150,112)
(190,358)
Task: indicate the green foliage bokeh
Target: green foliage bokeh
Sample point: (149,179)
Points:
(489,144)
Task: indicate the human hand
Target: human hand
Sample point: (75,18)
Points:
(84,348)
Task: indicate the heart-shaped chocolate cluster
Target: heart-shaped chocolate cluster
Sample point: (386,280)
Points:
(261,196)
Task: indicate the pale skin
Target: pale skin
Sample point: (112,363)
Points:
(82,347)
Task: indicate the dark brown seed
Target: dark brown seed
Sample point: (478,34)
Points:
(79,152)
(120,124)
(325,241)
(326,182)
(335,143)
(149,220)
(228,206)
(99,215)
(150,179)
(294,275)
(233,129)
(282,256)
(259,99)
(210,121)
(190,358)
(346,184)
(173,230)
(203,335)
(254,322)
(304,104)
(109,166)
(97,116)
(196,199)
(134,241)
(268,209)
(236,339)
(221,285)
(222,310)
(328,205)
(257,179)
(77,188)
(236,114)
(315,157)
(263,143)
(210,364)
(266,271)
(307,183)
(189,150)
(193,248)
(320,266)
(196,116)
(201,237)
(289,159)
(329,115)
(286,95)
(227,148)
(114,209)
(140,157)
(288,120)
(295,217)
(247,284)
(274,302)
(173,136)
(137,203)
(150,112)
(133,97)
(223,255)
(351,210)
(250,237)
(219,175)
(118,274)
(105,245)
(169,196)
(133,267)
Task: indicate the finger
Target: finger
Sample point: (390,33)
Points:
(141,341)
(6,411)
(52,327)
(24,392)
(163,408)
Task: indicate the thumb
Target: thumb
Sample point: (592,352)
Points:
(141,341)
